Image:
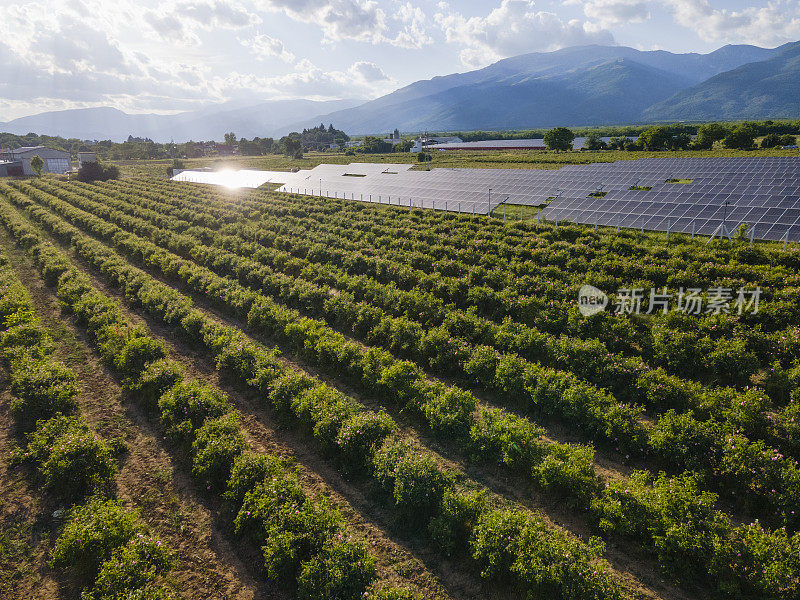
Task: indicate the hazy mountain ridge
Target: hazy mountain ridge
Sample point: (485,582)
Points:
(261,119)
(769,88)
(581,85)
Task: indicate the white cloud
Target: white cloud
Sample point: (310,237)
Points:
(360,20)
(513,28)
(180,21)
(414,33)
(609,13)
(362,79)
(775,23)
(368,72)
(264,46)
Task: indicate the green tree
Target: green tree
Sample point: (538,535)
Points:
(593,142)
(708,134)
(37,164)
(375,145)
(559,138)
(741,138)
(773,140)
(292,143)
(230,139)
(655,138)
(679,141)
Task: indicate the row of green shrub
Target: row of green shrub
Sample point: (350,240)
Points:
(733,358)
(446,347)
(364,442)
(450,412)
(168,305)
(730,461)
(104,546)
(311,547)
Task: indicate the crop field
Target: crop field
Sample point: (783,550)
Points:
(484,159)
(212,393)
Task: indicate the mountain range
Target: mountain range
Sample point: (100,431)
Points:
(582,85)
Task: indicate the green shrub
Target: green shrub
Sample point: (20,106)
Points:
(401,382)
(500,436)
(360,435)
(71,460)
(756,563)
(289,526)
(413,478)
(323,409)
(342,571)
(671,514)
(569,470)
(452,528)
(215,448)
(287,387)
(511,543)
(26,338)
(93,531)
(185,407)
(482,366)
(156,378)
(449,410)
(42,389)
(250,469)
(132,571)
(136,353)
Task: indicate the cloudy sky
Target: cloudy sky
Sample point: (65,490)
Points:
(148,56)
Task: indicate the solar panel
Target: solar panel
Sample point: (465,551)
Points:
(686,193)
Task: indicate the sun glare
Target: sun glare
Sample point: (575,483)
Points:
(229,179)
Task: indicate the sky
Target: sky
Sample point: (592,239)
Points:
(145,56)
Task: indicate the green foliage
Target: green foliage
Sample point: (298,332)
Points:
(92,533)
(413,478)
(290,526)
(94,171)
(741,137)
(70,460)
(342,571)
(185,407)
(708,134)
(37,164)
(215,448)
(157,378)
(42,389)
(360,435)
(132,571)
(559,138)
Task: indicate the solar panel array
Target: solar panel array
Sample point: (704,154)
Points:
(762,192)
(233,179)
(461,190)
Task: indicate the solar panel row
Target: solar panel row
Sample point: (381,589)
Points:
(690,195)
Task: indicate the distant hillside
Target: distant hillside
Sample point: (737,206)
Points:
(769,88)
(579,85)
(262,119)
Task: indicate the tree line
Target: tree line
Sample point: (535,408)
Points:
(739,136)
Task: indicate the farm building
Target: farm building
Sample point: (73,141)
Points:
(55,161)
(86,157)
(427,141)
